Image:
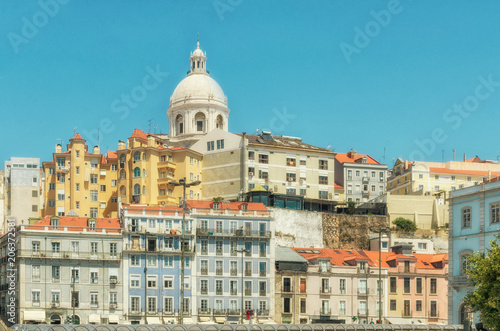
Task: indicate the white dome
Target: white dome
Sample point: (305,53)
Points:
(198,88)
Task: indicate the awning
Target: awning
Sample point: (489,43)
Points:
(204,319)
(220,320)
(95,318)
(113,319)
(34,315)
(154,320)
(400,320)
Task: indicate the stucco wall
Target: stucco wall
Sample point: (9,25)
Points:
(298,228)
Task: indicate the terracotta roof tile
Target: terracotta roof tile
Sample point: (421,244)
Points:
(344,158)
(79,223)
(177,148)
(139,134)
(112,155)
(77,137)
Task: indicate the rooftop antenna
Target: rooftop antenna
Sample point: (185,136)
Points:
(443,154)
(149,125)
(383,157)
(156,127)
(454,150)
(74,131)
(98,129)
(61,141)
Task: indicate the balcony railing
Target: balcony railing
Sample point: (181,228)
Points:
(248,291)
(366,180)
(362,291)
(362,312)
(263,312)
(218,252)
(325,290)
(234,291)
(219,272)
(204,290)
(218,291)
(232,233)
(68,255)
(406,269)
(459,280)
(262,253)
(204,251)
(204,271)
(219,312)
(406,313)
(137,311)
(233,312)
(287,288)
(248,272)
(262,293)
(262,273)
(233,272)
(204,311)
(325,312)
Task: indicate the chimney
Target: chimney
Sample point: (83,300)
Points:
(454,150)
(352,154)
(464,157)
(96,150)
(58,148)
(121,145)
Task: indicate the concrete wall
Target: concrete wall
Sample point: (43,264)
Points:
(298,228)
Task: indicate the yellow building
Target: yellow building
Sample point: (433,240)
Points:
(436,178)
(79,181)
(146,166)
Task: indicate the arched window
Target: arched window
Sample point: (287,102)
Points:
(137,156)
(123,191)
(200,122)
(179,124)
(137,172)
(122,174)
(137,189)
(123,158)
(219,123)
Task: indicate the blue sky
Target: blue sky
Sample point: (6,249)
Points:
(415,78)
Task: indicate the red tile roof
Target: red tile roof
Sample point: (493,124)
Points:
(463,172)
(79,223)
(139,134)
(177,148)
(112,155)
(344,158)
(338,186)
(77,137)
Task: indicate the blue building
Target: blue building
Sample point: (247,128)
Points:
(474,221)
(152,264)
(234,261)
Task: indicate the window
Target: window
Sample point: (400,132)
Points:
(323,164)
(94,277)
(495,213)
(263,174)
(94,299)
(152,304)
(93,248)
(168,305)
(135,260)
(433,312)
(103,188)
(263,158)
(433,289)
(469,179)
(392,305)
(358,173)
(93,179)
(51,171)
(135,303)
(418,286)
(286,305)
(52,186)
(466,222)
(75,274)
(55,298)
(291,177)
(291,162)
(35,273)
(113,249)
(93,212)
(93,195)
(152,260)
(422,245)
(406,282)
(151,282)
(114,167)
(218,287)
(362,286)
(168,261)
(418,305)
(393,284)
(60,196)
(291,191)
(137,172)
(349,174)
(34,208)
(323,180)
(342,283)
(56,247)
(168,282)
(323,195)
(56,273)
(220,144)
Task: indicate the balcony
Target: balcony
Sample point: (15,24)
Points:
(219,272)
(218,252)
(234,291)
(262,293)
(49,254)
(365,193)
(406,313)
(262,273)
(55,304)
(136,198)
(325,312)
(362,312)
(232,233)
(204,311)
(204,290)
(248,272)
(287,289)
(363,271)
(263,312)
(362,292)
(248,291)
(219,312)
(233,272)
(168,312)
(218,291)
(459,280)
(133,311)
(166,164)
(204,271)
(366,180)
(325,290)
(262,253)
(234,253)
(233,312)
(204,251)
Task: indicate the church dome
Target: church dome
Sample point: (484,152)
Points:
(198,88)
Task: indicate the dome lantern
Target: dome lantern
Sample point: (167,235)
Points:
(198,61)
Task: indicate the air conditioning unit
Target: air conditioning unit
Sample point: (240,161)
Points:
(250,174)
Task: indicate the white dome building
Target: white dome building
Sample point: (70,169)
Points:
(198,104)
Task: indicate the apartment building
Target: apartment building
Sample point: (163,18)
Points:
(22,180)
(439,178)
(147,166)
(81,182)
(66,266)
(474,222)
(290,287)
(343,286)
(235,261)
(152,260)
(362,177)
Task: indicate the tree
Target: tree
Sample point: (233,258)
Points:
(351,207)
(404,225)
(483,271)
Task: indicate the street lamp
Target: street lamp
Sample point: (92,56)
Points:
(182,182)
(379,230)
(73,298)
(242,251)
